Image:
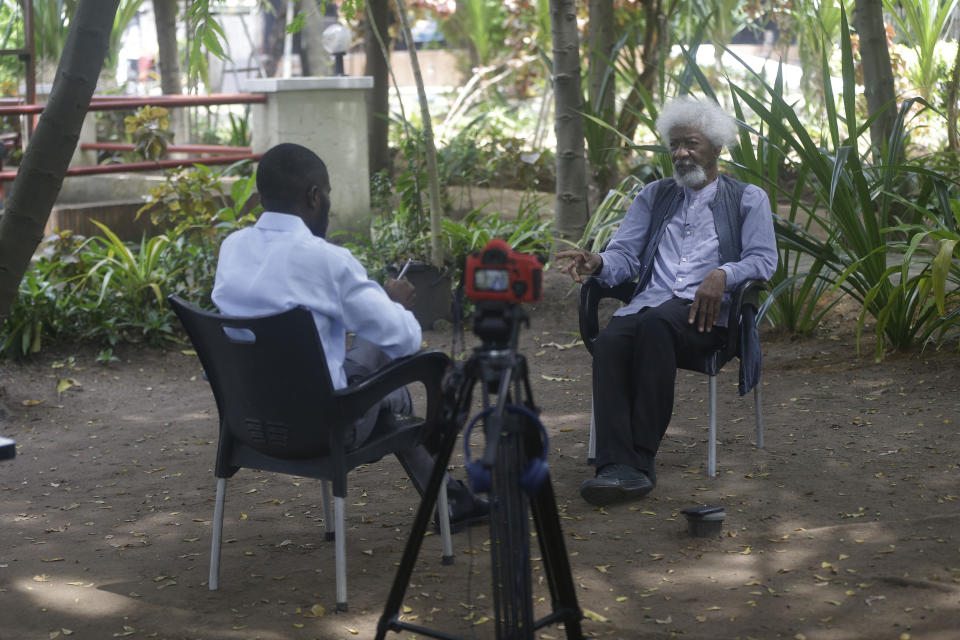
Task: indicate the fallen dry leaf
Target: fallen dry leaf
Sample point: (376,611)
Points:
(593,615)
(557,378)
(66,383)
(562,347)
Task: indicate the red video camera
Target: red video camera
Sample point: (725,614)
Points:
(500,274)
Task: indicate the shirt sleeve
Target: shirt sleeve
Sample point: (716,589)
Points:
(758,253)
(621,258)
(337,287)
(370,313)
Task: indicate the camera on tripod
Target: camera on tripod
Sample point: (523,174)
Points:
(500,274)
(513,469)
(496,278)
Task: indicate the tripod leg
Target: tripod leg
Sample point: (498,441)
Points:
(556,563)
(509,533)
(395,599)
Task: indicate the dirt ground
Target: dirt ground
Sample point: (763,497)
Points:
(844,526)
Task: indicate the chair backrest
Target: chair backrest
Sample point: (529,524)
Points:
(270,380)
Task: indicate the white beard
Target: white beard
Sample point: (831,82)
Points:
(692,176)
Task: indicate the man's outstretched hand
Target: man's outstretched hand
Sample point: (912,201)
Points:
(582,263)
(705,310)
(401,291)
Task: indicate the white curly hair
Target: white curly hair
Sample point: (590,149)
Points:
(710,119)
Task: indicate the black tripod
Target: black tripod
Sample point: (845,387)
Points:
(514,442)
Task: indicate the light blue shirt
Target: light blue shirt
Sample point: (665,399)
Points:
(278,264)
(689,248)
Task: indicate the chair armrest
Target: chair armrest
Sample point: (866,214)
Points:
(428,367)
(591,293)
(747,293)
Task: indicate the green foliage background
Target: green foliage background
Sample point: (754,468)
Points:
(876,226)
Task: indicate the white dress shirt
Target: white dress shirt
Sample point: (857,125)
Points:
(278,264)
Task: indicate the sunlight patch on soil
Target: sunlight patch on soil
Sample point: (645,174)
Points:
(73,593)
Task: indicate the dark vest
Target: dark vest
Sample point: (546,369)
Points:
(726,218)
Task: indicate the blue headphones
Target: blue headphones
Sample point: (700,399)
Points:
(531,477)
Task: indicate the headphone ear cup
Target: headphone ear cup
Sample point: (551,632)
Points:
(537,469)
(534,475)
(479,477)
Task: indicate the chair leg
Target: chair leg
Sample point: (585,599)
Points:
(712,442)
(758,410)
(592,446)
(341,555)
(214,582)
(326,501)
(443,516)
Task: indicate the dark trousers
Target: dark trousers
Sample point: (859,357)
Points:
(362,359)
(634,372)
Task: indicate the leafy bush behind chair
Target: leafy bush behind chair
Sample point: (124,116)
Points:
(849,245)
(108,291)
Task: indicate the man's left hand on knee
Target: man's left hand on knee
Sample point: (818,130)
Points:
(705,310)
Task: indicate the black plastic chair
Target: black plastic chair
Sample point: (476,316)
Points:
(279,411)
(747,294)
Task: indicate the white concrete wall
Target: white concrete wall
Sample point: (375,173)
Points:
(329,116)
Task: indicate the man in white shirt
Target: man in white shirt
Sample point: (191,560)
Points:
(284,261)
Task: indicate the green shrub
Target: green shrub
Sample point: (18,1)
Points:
(104,290)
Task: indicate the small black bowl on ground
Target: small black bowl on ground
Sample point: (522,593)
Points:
(705,521)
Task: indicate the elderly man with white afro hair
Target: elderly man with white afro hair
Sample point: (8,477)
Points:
(717,125)
(688,241)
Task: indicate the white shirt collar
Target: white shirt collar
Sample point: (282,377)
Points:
(276,221)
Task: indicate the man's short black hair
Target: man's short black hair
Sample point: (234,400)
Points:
(284,174)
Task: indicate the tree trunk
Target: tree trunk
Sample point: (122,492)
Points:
(433,173)
(274,32)
(571,208)
(953,108)
(314,59)
(378,109)
(602,38)
(48,154)
(168,60)
(654,41)
(168,57)
(877,70)
(463,39)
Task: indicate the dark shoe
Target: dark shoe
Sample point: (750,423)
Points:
(466,508)
(616,483)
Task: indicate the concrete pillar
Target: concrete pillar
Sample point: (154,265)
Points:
(88,133)
(329,116)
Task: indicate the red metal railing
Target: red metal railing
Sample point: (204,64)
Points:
(146,165)
(119,103)
(215,149)
(216,154)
